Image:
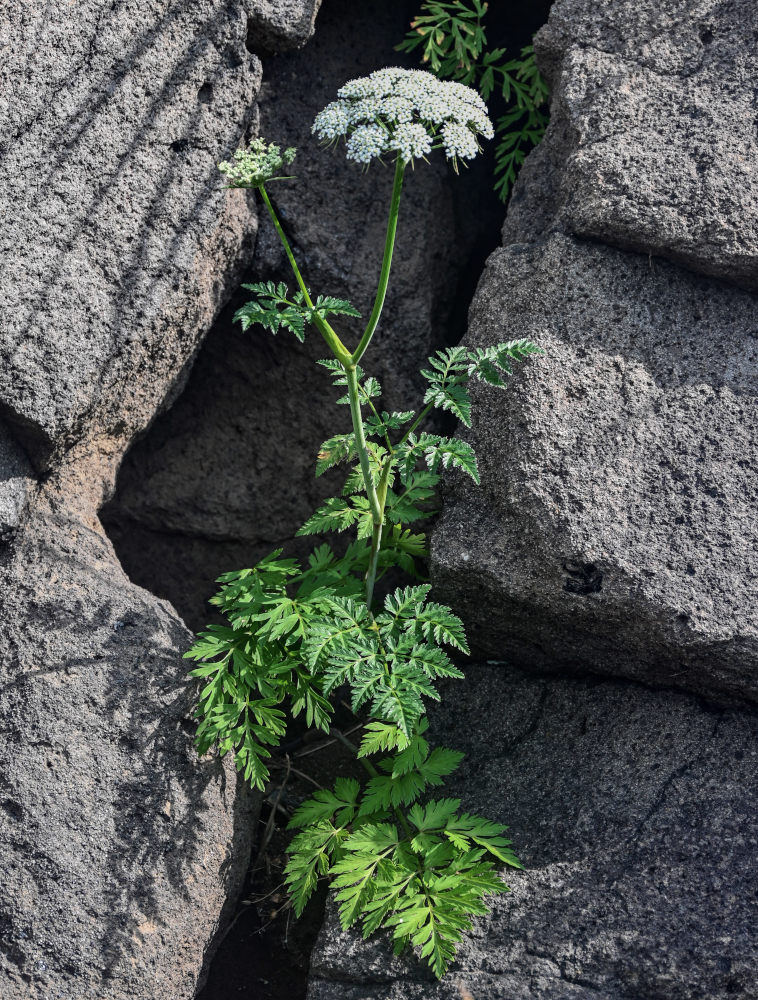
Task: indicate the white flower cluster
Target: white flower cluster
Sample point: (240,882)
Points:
(407,112)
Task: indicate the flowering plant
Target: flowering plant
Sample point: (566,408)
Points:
(297,634)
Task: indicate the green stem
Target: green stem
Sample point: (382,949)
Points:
(336,346)
(360,443)
(376,535)
(422,416)
(384,277)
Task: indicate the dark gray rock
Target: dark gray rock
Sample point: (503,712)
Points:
(615,527)
(16,479)
(120,848)
(656,129)
(636,815)
(116,232)
(276,25)
(122,852)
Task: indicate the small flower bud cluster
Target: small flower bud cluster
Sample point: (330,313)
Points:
(407,112)
(253,166)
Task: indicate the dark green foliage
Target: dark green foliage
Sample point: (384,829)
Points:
(453,42)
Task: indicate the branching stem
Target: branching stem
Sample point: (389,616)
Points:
(336,346)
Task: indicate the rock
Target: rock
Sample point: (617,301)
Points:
(122,853)
(117,234)
(120,846)
(16,478)
(228,473)
(634,812)
(615,528)
(660,152)
(276,25)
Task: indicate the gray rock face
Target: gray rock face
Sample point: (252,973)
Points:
(121,851)
(119,845)
(276,25)
(660,150)
(636,815)
(615,528)
(16,478)
(111,126)
(228,473)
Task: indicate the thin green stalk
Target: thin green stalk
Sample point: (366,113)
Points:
(360,442)
(336,346)
(376,534)
(384,277)
(422,416)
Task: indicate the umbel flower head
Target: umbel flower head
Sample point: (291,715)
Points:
(259,163)
(406,112)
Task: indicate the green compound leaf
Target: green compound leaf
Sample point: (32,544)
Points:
(339,805)
(310,855)
(338,514)
(340,448)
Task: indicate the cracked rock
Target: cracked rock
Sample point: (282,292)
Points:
(635,813)
(615,527)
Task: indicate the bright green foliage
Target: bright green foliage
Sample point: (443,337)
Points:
(453,42)
(420,869)
(450,370)
(297,638)
(273,309)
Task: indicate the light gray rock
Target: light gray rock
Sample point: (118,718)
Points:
(615,528)
(16,479)
(276,25)
(656,128)
(116,232)
(636,815)
(119,848)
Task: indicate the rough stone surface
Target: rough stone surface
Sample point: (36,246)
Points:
(615,527)
(276,25)
(16,479)
(115,229)
(636,815)
(119,846)
(121,852)
(227,474)
(656,123)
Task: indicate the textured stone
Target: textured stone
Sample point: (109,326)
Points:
(121,852)
(227,474)
(116,233)
(276,25)
(615,527)
(119,846)
(636,815)
(656,128)
(16,478)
